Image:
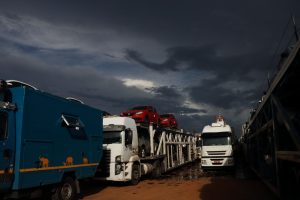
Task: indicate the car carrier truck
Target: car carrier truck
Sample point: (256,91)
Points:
(217,148)
(46,140)
(271,135)
(131,150)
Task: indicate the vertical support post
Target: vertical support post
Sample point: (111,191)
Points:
(164,142)
(168,157)
(189,150)
(195,147)
(275,143)
(181,154)
(177,152)
(171,149)
(151,132)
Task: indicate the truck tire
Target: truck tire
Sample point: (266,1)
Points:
(135,174)
(66,190)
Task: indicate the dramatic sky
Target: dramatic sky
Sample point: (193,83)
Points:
(194,59)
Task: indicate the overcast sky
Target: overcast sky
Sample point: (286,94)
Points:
(194,59)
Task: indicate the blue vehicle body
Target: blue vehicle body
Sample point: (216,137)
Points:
(46,137)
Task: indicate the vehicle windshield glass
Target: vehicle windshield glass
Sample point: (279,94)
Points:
(211,141)
(164,116)
(112,137)
(139,108)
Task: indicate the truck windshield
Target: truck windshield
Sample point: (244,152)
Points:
(112,137)
(211,141)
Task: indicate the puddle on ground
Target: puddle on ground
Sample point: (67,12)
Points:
(193,171)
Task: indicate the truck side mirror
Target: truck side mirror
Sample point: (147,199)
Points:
(128,137)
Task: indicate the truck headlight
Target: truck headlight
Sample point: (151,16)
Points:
(118,159)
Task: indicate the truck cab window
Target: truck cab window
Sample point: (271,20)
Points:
(3,125)
(128,137)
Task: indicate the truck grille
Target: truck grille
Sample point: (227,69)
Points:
(216,153)
(104,169)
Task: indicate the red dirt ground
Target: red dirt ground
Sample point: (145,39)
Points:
(204,188)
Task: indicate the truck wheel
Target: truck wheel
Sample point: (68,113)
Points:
(135,174)
(66,190)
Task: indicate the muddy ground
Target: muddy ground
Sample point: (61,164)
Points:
(188,182)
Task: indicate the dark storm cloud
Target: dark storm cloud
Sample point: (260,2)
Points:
(216,95)
(206,58)
(169,99)
(167,21)
(246,68)
(195,121)
(169,64)
(56,45)
(166,92)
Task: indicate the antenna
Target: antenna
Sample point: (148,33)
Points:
(295,28)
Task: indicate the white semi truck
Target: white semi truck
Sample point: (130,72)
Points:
(132,150)
(217,145)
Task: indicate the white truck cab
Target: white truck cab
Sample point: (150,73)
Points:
(217,151)
(120,148)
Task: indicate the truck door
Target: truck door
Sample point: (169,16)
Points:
(7,148)
(128,144)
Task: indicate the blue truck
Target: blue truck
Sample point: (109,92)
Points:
(46,141)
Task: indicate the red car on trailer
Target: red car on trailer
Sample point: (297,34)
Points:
(168,120)
(142,114)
